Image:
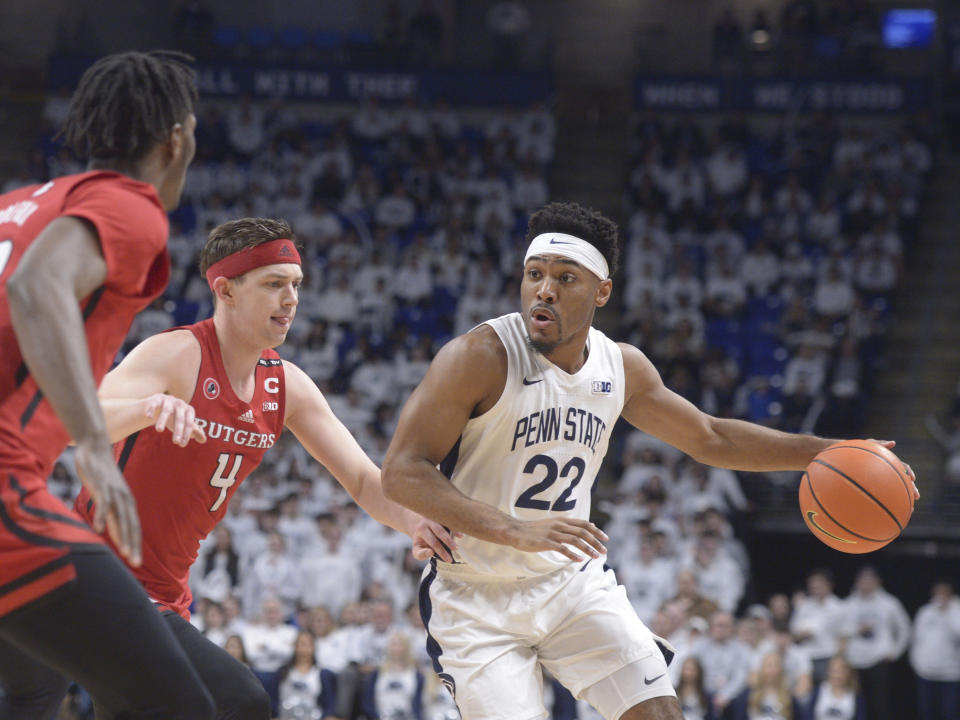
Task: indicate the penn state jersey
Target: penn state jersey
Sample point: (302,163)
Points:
(538,450)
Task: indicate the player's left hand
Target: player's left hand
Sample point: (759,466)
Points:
(431,538)
(889,445)
(172,413)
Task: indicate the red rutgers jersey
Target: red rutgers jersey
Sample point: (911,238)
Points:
(36,530)
(182,492)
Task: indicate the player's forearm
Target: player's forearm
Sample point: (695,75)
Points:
(740,445)
(124,416)
(49,329)
(368,494)
(419,486)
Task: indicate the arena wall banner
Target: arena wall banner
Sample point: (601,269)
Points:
(461,86)
(711,94)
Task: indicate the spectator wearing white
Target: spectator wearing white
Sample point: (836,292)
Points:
(245,128)
(269,644)
(292,200)
(838,697)
(395,209)
(792,196)
(318,353)
(218,573)
(883,237)
(760,269)
(648,580)
(684,282)
(444,121)
(473,308)
(725,295)
(876,272)
(155,319)
(299,532)
(797,665)
(644,464)
(307,690)
(331,647)
(374,380)
(755,203)
(371,122)
(849,150)
(917,157)
(816,616)
(867,199)
(363,192)
(645,256)
(795,268)
(351,410)
(330,574)
(529,190)
(808,368)
(877,629)
(413,283)
(725,661)
(214,624)
(715,521)
(395,687)
(935,654)
(493,198)
(701,487)
(318,226)
(535,142)
(274,575)
(409,368)
(644,288)
(724,235)
(338,303)
(727,171)
(824,222)
(683,183)
(834,295)
(720,578)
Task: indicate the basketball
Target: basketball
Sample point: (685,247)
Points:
(855,496)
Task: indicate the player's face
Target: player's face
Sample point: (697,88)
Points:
(559,298)
(182,146)
(267,300)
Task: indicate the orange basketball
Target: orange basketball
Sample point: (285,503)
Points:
(855,496)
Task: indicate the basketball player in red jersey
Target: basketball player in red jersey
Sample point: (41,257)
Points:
(243,395)
(79,257)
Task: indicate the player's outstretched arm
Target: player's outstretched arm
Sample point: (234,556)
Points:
(309,417)
(466,378)
(61,267)
(153,386)
(650,406)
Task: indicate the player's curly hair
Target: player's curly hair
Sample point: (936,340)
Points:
(236,235)
(584,223)
(128,102)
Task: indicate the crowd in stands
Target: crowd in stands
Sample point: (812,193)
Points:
(758,273)
(806,37)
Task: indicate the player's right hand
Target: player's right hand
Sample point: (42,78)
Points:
(115,506)
(172,413)
(564,535)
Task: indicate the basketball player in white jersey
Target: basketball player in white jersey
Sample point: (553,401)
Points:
(517,413)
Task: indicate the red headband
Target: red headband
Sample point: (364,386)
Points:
(274,252)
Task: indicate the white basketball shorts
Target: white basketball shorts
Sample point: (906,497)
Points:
(487,638)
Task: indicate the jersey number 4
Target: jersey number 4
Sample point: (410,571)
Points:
(528,498)
(225,481)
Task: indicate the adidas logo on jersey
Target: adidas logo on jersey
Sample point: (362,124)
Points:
(248,416)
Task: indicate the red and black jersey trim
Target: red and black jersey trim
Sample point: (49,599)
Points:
(11,525)
(23,372)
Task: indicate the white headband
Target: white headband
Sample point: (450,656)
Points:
(570,247)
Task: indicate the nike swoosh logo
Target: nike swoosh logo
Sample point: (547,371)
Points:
(651,681)
(559,242)
(532,382)
(812,519)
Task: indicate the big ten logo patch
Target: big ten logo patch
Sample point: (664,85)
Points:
(269,406)
(211,389)
(601,387)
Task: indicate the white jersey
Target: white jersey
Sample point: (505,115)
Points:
(537,451)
